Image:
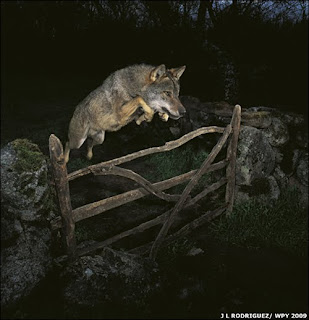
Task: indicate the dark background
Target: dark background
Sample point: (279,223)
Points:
(53,53)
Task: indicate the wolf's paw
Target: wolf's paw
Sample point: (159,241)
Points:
(140,120)
(89,154)
(163,116)
(148,116)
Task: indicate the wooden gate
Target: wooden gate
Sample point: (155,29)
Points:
(69,217)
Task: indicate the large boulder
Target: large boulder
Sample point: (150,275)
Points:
(111,284)
(255,159)
(302,168)
(299,176)
(219,113)
(25,206)
(277,133)
(272,150)
(255,164)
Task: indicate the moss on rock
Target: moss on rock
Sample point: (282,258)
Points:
(29,156)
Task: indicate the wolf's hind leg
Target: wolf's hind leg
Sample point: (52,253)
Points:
(95,139)
(66,152)
(72,144)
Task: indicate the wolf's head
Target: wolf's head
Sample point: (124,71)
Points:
(162,91)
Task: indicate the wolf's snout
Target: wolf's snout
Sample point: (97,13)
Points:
(182,111)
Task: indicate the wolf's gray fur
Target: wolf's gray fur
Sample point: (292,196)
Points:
(118,101)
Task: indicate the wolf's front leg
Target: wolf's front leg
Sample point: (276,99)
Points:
(148,112)
(145,117)
(128,109)
(163,116)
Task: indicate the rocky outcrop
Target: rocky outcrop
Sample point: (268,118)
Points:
(256,158)
(25,234)
(272,149)
(255,163)
(111,284)
(277,133)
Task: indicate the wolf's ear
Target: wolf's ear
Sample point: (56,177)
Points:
(177,72)
(157,72)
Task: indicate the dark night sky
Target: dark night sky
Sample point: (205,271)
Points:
(48,46)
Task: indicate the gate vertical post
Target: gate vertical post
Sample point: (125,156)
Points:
(179,205)
(231,157)
(60,174)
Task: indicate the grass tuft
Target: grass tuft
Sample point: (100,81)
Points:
(259,223)
(175,162)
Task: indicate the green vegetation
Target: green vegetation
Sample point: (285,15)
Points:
(29,156)
(175,162)
(77,163)
(82,233)
(259,223)
(180,247)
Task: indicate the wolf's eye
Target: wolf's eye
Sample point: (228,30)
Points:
(168,93)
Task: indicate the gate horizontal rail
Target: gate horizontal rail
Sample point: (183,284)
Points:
(66,222)
(95,208)
(167,147)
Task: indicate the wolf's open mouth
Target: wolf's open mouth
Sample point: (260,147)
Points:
(172,116)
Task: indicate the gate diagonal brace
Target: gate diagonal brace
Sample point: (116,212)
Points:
(179,205)
(68,217)
(114,170)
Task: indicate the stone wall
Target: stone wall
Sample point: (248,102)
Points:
(272,149)
(25,208)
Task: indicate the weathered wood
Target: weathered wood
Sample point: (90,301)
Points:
(167,147)
(231,156)
(140,228)
(142,250)
(149,224)
(101,206)
(62,188)
(208,216)
(137,178)
(187,191)
(209,189)
(69,216)
(196,224)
